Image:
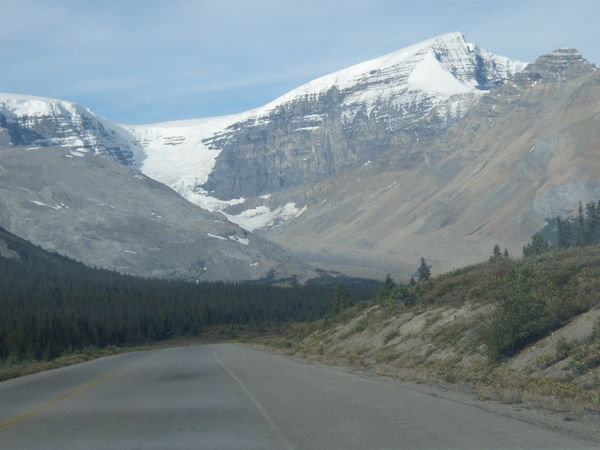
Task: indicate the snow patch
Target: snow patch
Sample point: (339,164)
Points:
(236,238)
(31,106)
(175,153)
(217,237)
(262,216)
(430,76)
(56,206)
(201,198)
(307,129)
(73,126)
(387,188)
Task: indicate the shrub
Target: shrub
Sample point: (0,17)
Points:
(386,354)
(361,325)
(522,315)
(585,358)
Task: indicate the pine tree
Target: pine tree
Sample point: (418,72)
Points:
(496,254)
(563,238)
(424,271)
(580,238)
(592,223)
(388,286)
(340,300)
(537,246)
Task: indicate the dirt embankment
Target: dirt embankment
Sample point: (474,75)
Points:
(514,330)
(440,346)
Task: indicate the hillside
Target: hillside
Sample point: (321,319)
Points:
(104,214)
(526,329)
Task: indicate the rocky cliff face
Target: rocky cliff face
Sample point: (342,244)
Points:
(35,121)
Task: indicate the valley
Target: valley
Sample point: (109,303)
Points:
(299,225)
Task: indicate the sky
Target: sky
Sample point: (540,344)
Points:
(146,61)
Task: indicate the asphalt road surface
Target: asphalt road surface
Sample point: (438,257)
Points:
(231,397)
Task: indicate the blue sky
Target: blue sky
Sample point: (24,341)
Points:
(136,61)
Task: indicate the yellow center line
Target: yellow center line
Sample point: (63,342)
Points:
(64,397)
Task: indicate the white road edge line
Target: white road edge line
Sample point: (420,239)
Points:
(262,411)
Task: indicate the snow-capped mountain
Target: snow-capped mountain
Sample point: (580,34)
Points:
(44,122)
(237,164)
(338,121)
(441,150)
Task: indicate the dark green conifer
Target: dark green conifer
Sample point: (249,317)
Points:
(424,271)
(537,246)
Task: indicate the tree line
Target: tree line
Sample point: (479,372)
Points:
(578,231)
(50,305)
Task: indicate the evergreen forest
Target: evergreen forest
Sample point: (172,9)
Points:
(578,231)
(51,305)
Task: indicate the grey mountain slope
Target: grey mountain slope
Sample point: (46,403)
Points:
(525,152)
(104,214)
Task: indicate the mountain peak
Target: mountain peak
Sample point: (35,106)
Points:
(473,67)
(432,81)
(27,120)
(561,64)
(31,106)
(451,39)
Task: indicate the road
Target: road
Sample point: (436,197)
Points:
(230,397)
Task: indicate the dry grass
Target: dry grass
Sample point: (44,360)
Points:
(503,385)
